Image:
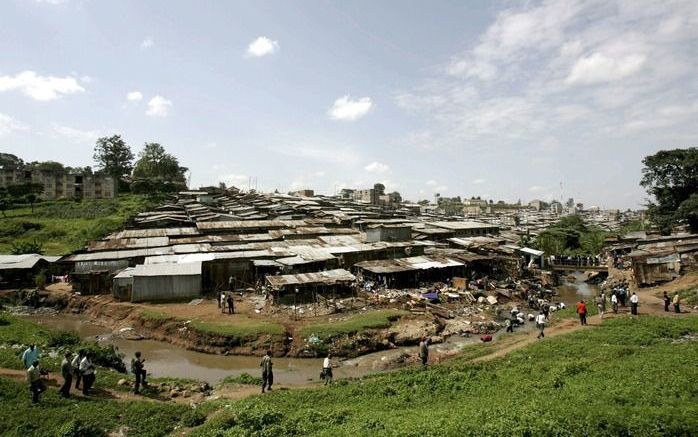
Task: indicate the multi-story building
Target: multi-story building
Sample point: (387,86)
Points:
(59,184)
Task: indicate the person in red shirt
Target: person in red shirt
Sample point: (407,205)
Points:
(582,311)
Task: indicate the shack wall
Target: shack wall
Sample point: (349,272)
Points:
(154,288)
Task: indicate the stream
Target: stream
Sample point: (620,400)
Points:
(167,360)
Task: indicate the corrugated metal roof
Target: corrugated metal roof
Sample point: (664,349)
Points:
(329,277)
(462,225)
(251,224)
(180,269)
(407,264)
(26,261)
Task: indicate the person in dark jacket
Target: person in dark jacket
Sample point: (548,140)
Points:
(267,371)
(424,351)
(67,373)
(667,301)
(138,370)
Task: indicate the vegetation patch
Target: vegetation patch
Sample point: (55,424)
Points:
(357,323)
(243,379)
(625,377)
(62,226)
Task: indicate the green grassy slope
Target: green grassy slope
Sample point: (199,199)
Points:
(627,377)
(63,226)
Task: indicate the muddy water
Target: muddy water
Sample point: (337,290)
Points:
(167,360)
(570,292)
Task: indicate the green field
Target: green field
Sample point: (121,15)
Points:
(627,377)
(64,226)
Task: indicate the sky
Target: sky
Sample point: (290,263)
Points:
(502,99)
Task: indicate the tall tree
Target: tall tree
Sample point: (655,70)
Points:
(8,160)
(157,171)
(113,156)
(671,179)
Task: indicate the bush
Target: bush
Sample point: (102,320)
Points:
(23,247)
(244,379)
(76,428)
(193,418)
(106,356)
(63,339)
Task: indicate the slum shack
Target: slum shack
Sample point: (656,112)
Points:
(122,284)
(409,272)
(21,270)
(165,282)
(664,259)
(309,287)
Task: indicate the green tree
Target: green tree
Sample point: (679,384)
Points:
(8,160)
(31,198)
(113,156)
(670,178)
(155,162)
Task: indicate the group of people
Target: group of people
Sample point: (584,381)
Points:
(676,301)
(226,301)
(79,366)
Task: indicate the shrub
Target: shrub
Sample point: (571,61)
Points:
(22,247)
(76,428)
(193,418)
(245,379)
(106,356)
(63,338)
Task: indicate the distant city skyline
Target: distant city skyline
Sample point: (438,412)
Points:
(504,100)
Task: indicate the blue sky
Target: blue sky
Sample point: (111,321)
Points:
(499,99)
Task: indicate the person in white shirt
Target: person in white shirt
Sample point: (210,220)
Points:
(633,304)
(540,324)
(614,303)
(327,369)
(88,373)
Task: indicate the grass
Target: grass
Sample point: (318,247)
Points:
(371,320)
(243,379)
(241,328)
(630,376)
(63,226)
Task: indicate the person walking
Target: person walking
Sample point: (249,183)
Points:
(540,324)
(614,303)
(509,325)
(424,351)
(582,311)
(546,310)
(327,369)
(36,385)
(67,373)
(677,303)
(222,299)
(88,373)
(601,305)
(667,301)
(30,355)
(231,304)
(634,300)
(75,364)
(267,371)
(139,372)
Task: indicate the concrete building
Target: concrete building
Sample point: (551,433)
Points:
(556,207)
(61,184)
(375,196)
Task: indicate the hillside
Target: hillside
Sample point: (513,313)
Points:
(627,376)
(63,226)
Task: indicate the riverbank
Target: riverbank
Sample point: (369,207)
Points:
(565,383)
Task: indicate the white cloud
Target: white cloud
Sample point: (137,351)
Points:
(478,181)
(262,46)
(76,135)
(522,81)
(236,180)
(158,106)
(377,167)
(53,2)
(42,88)
(147,43)
(10,124)
(134,96)
(536,189)
(344,108)
(601,68)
